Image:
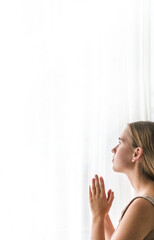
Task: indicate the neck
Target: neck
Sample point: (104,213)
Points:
(141,184)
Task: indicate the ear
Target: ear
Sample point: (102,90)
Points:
(137,154)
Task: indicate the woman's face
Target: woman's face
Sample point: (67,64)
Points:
(123,153)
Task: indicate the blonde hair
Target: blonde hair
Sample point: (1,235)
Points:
(142,135)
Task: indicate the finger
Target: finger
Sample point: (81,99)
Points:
(102,186)
(93,186)
(90,193)
(97,186)
(108,194)
(111,199)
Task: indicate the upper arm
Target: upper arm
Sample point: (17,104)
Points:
(137,221)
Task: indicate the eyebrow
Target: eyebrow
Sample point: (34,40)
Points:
(121,139)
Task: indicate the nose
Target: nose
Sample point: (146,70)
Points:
(114,149)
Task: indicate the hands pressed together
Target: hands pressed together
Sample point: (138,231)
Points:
(99,203)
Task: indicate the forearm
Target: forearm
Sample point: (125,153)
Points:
(109,228)
(97,229)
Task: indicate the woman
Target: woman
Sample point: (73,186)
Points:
(134,156)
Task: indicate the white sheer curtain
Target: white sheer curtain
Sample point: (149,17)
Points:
(73,73)
(152,59)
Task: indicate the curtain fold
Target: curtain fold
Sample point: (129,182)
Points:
(73,74)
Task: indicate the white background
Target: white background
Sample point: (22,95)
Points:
(152,59)
(51,130)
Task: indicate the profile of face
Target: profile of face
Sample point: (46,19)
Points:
(123,153)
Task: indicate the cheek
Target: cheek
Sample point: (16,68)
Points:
(121,155)
(119,151)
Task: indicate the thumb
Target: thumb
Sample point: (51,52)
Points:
(111,198)
(108,194)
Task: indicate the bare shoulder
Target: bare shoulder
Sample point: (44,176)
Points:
(144,204)
(137,221)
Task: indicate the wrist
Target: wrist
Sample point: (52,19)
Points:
(98,218)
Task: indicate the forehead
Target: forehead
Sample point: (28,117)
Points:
(125,136)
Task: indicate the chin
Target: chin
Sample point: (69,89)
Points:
(115,169)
